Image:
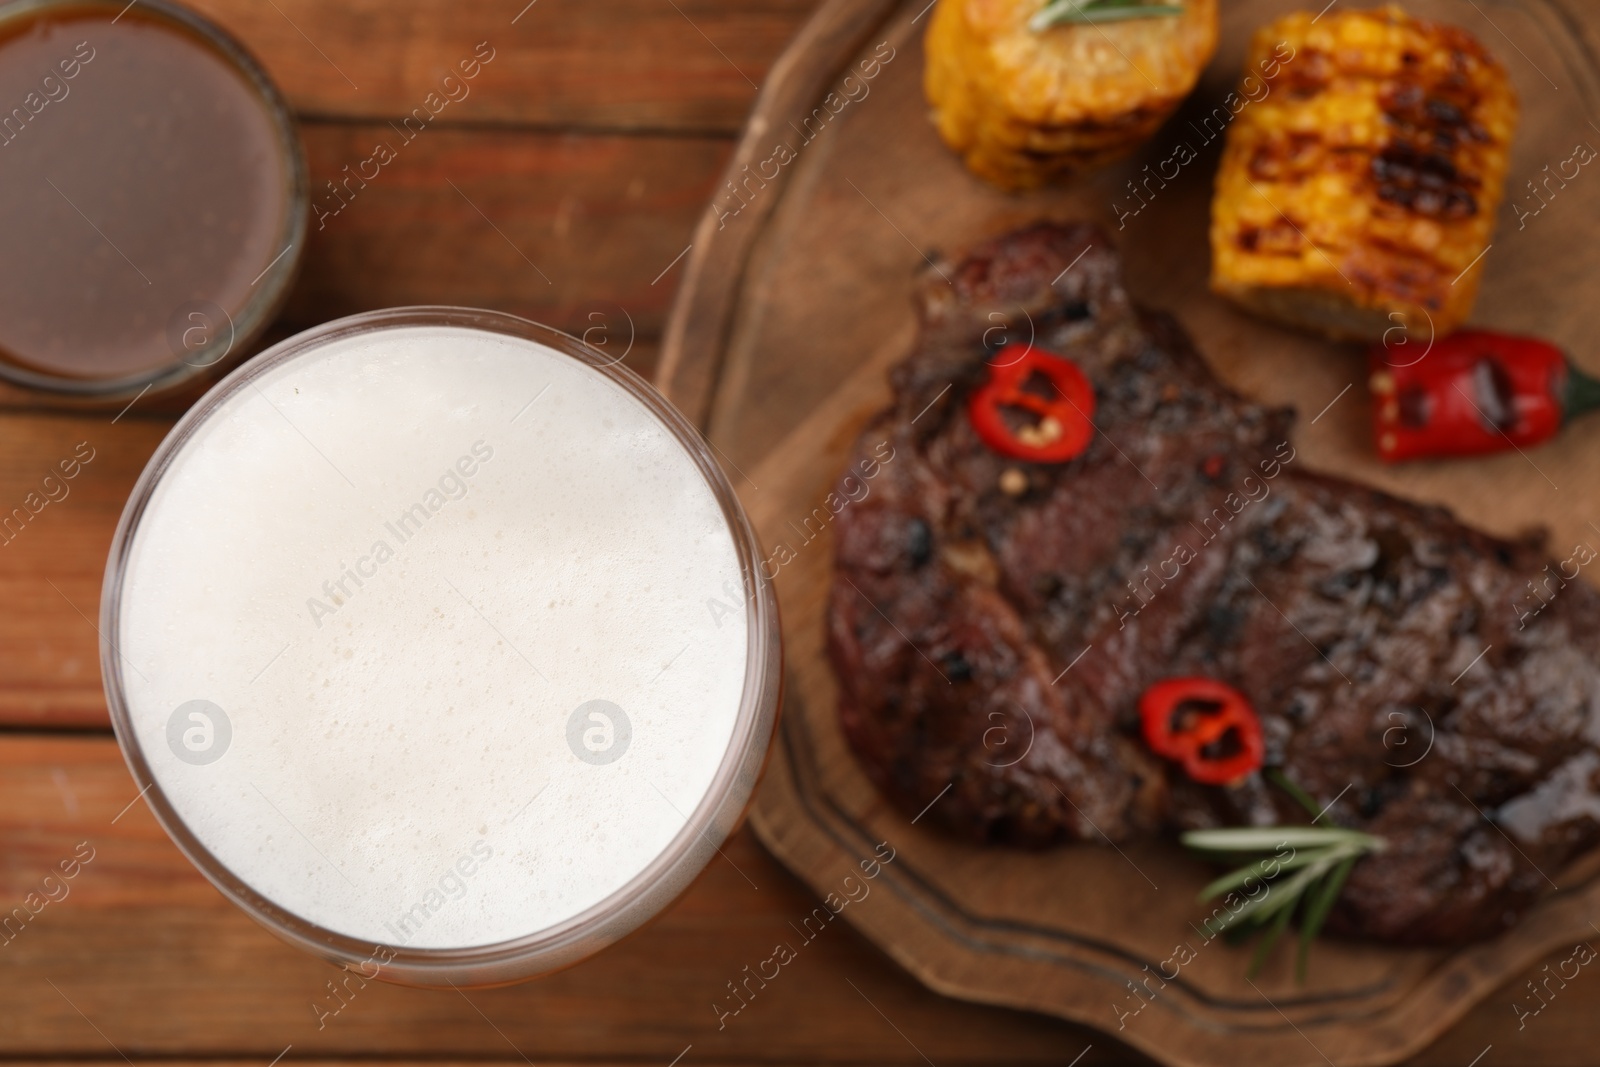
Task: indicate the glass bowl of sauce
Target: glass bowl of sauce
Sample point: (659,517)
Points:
(156,197)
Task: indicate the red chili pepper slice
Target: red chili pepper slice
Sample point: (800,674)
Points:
(1474,392)
(1207,726)
(1061,426)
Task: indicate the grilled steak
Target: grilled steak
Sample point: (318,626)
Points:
(983,608)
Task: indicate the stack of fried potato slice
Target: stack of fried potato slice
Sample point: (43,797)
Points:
(1023,107)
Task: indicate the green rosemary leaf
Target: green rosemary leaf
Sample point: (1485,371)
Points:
(1236,879)
(1061,12)
(1318,906)
(1276,776)
(1244,918)
(1239,934)
(1121,14)
(1267,941)
(1276,897)
(1047,16)
(1321,859)
(1243,839)
(1286,893)
(1283,896)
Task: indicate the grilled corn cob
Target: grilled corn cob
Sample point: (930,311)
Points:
(1024,106)
(1359,194)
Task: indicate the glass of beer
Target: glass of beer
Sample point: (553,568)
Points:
(439,642)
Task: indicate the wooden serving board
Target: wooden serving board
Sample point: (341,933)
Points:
(795,303)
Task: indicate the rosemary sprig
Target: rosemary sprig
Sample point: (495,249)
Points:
(1307,881)
(1060,12)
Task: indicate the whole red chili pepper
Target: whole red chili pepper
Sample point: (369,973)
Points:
(1474,392)
(1207,726)
(1055,420)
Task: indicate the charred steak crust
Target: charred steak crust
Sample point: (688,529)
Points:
(1189,539)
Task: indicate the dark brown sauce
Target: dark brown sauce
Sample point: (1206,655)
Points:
(144,177)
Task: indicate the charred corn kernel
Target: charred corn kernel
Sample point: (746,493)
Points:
(1023,107)
(1359,192)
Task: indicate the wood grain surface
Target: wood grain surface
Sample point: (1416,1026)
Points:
(590,147)
(164,966)
(142,957)
(683,65)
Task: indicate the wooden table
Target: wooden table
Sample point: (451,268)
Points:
(564,189)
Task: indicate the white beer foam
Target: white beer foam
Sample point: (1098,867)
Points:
(399,767)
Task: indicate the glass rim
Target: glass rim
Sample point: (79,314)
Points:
(270,292)
(648,892)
